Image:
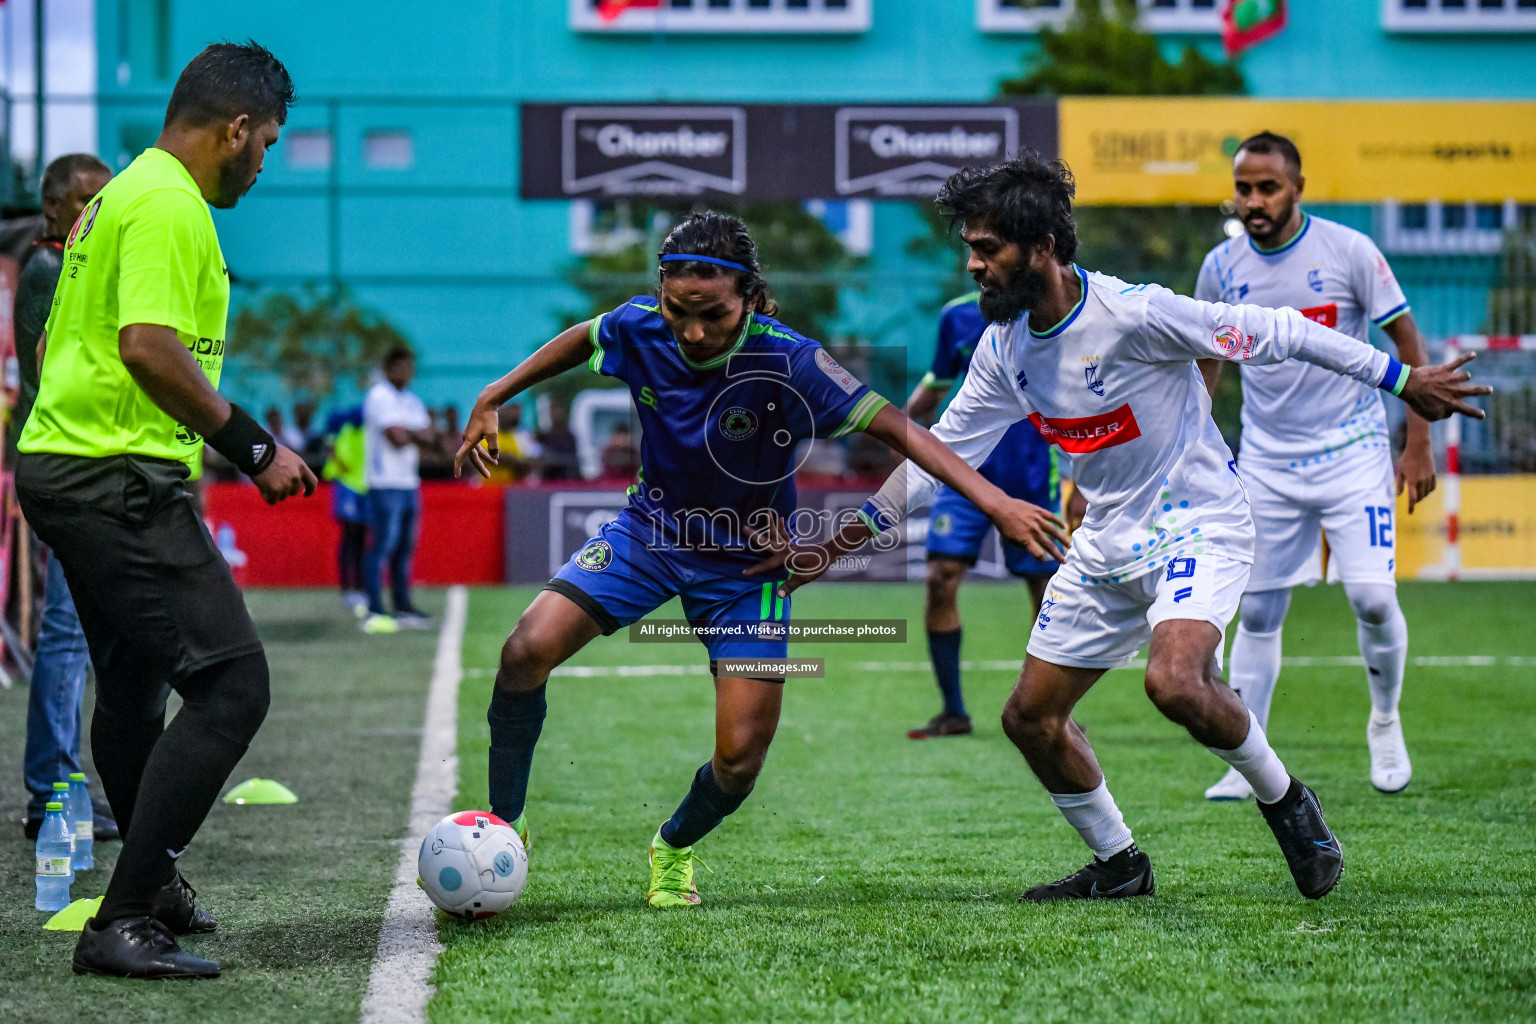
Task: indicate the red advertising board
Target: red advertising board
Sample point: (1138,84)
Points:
(294,544)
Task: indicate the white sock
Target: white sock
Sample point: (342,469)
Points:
(1257,762)
(1096,819)
(1256,670)
(1385,650)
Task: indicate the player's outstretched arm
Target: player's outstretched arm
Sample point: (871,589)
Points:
(566,351)
(1034,528)
(1183,328)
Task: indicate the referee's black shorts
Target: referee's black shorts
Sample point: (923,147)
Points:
(156,598)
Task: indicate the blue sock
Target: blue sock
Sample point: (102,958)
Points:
(516,719)
(944,649)
(705,806)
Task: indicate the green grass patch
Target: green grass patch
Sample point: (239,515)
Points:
(873,878)
(300,890)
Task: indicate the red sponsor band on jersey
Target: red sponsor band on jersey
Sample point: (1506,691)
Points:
(1327,315)
(1088,433)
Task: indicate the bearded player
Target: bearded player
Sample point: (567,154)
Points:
(1316,456)
(1166,546)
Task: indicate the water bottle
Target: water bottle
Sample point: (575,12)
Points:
(54,875)
(82,818)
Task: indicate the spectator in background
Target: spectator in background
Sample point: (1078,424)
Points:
(347,469)
(519,451)
(619,457)
(287,436)
(397,426)
(313,451)
(57,691)
(559,460)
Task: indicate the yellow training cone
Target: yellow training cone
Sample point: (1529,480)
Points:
(73,917)
(260,791)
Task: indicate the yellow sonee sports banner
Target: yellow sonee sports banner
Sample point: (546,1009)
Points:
(1138,151)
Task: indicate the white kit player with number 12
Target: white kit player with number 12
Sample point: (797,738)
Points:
(1316,456)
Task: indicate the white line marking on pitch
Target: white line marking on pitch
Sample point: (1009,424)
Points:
(398,984)
(1301,661)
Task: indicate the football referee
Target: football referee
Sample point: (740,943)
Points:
(130,360)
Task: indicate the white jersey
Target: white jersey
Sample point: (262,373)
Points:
(1115,384)
(1294,413)
(389,467)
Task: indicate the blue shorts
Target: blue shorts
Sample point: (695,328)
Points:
(618,579)
(956,529)
(347,506)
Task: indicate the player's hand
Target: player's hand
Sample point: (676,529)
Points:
(285,476)
(1415,473)
(806,562)
(481,429)
(1031,527)
(1435,392)
(1077,509)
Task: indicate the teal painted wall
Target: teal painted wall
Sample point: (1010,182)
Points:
(471,273)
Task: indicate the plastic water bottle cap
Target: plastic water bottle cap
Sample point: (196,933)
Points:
(54,805)
(77,776)
(61,787)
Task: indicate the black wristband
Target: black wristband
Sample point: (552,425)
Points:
(244,442)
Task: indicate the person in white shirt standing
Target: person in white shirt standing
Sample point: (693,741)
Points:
(1316,454)
(1106,370)
(396,424)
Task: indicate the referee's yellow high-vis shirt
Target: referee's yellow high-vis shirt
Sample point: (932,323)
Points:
(143,252)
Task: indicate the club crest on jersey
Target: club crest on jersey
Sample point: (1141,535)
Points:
(841,377)
(1315,279)
(595,557)
(1231,343)
(1091,376)
(737,423)
(84,224)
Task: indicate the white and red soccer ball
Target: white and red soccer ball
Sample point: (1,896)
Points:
(472,865)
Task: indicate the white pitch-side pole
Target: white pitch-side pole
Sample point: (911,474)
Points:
(1451,498)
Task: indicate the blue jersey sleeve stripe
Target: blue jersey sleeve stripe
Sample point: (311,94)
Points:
(1390,315)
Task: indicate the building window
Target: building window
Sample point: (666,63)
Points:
(739,16)
(1173,16)
(388,150)
(1458,15)
(1436,227)
(307,149)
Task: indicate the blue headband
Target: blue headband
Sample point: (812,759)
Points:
(678,257)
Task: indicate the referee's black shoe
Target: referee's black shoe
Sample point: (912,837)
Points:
(136,947)
(1310,847)
(174,908)
(1127,873)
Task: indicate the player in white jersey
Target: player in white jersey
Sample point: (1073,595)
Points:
(1107,371)
(1316,456)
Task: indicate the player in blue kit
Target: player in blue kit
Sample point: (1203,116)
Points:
(1022,464)
(725,396)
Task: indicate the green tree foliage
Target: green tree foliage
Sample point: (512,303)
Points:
(1100,51)
(309,341)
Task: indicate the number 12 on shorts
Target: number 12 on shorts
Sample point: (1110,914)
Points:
(1380,517)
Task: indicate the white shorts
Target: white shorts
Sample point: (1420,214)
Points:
(1352,499)
(1103,625)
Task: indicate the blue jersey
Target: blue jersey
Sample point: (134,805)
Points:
(722,439)
(1022,464)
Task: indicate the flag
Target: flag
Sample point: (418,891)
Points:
(609,10)
(1247,23)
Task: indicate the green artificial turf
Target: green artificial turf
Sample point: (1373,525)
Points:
(873,878)
(300,890)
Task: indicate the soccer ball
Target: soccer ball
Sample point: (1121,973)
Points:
(472,865)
